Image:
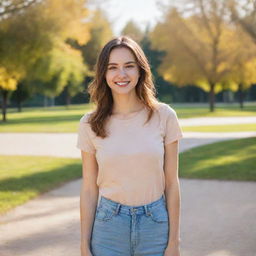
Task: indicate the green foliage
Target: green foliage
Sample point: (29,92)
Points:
(131,29)
(100,33)
(36,34)
(154,56)
(62,67)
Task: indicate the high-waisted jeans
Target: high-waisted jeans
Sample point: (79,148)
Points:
(123,230)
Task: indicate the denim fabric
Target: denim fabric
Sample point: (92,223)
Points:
(123,230)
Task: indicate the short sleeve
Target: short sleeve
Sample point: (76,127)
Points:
(173,130)
(84,141)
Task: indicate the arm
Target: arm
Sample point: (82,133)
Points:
(88,199)
(172,191)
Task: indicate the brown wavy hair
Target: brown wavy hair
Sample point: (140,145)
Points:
(100,93)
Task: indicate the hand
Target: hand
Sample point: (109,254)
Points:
(173,250)
(85,252)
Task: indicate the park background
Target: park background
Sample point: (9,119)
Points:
(203,59)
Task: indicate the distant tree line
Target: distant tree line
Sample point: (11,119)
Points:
(201,51)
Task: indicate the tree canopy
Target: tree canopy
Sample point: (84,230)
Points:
(202,48)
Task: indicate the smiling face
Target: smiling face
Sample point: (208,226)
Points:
(122,72)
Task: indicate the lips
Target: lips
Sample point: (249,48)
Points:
(122,84)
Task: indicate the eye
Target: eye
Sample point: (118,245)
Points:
(130,66)
(112,67)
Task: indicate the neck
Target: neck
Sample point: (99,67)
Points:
(126,105)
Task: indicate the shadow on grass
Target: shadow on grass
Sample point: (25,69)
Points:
(42,181)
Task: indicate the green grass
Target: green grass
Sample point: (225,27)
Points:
(221,128)
(51,119)
(25,177)
(226,160)
(202,110)
(60,119)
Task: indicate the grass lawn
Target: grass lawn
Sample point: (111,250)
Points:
(221,128)
(51,119)
(60,119)
(221,109)
(226,160)
(24,177)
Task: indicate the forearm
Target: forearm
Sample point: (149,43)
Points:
(88,205)
(172,194)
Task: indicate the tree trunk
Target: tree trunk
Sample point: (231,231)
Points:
(19,106)
(45,101)
(68,99)
(19,92)
(241,96)
(212,97)
(4,104)
(52,101)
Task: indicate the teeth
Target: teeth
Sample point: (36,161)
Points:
(122,83)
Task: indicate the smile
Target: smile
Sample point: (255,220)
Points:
(122,84)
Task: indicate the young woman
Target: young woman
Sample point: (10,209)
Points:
(130,195)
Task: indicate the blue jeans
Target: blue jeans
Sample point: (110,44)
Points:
(123,230)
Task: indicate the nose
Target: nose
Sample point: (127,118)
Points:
(121,72)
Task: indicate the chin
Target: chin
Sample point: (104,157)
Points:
(122,90)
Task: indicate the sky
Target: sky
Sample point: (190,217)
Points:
(142,12)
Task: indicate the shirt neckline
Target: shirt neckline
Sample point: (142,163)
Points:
(129,116)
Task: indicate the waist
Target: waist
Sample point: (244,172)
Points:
(128,209)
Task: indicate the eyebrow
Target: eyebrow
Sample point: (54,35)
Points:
(129,62)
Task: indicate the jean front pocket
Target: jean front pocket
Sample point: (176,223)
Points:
(159,214)
(104,214)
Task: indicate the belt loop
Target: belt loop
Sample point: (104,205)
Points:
(146,210)
(117,208)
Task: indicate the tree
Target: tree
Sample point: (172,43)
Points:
(9,7)
(22,44)
(243,71)
(21,94)
(60,68)
(244,14)
(8,82)
(197,51)
(131,29)
(100,33)
(155,58)
(242,77)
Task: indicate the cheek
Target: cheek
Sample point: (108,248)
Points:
(134,73)
(109,77)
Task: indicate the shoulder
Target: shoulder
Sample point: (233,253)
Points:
(84,123)
(165,110)
(85,118)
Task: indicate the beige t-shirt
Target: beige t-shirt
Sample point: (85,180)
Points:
(131,159)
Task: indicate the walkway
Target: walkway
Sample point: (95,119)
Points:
(64,144)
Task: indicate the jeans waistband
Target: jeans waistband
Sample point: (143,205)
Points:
(117,207)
